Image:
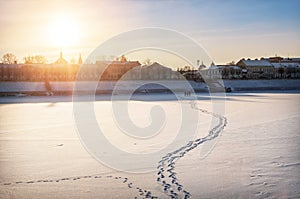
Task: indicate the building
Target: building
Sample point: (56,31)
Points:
(10,72)
(154,71)
(202,66)
(61,70)
(230,71)
(212,72)
(257,69)
(79,60)
(286,70)
(112,71)
(61,60)
(285,67)
(291,60)
(278,59)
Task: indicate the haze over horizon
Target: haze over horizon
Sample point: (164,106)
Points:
(227,30)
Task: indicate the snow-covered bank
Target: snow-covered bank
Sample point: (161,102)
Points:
(22,87)
(258,85)
(103,87)
(66,88)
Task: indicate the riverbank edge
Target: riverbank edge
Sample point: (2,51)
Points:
(166,86)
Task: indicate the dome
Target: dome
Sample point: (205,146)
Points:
(201,66)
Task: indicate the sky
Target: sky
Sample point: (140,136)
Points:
(228,30)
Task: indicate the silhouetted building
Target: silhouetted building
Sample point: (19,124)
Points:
(80,59)
(116,69)
(202,66)
(61,60)
(274,67)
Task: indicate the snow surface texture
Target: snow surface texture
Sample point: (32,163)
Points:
(167,165)
(257,155)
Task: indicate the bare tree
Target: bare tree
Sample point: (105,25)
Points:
(40,59)
(231,63)
(147,62)
(37,59)
(28,60)
(123,58)
(9,58)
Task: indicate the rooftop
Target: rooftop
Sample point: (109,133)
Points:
(249,62)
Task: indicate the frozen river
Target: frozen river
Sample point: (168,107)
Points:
(257,155)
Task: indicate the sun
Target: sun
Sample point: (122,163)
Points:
(63,32)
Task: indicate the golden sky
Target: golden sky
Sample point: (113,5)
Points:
(227,30)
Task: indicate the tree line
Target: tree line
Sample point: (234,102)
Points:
(9,58)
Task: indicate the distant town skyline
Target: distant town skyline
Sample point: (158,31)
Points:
(227,30)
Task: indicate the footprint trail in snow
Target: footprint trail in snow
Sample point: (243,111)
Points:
(166,174)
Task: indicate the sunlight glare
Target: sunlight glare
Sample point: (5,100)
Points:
(63,32)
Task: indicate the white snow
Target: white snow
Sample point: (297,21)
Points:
(256,156)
